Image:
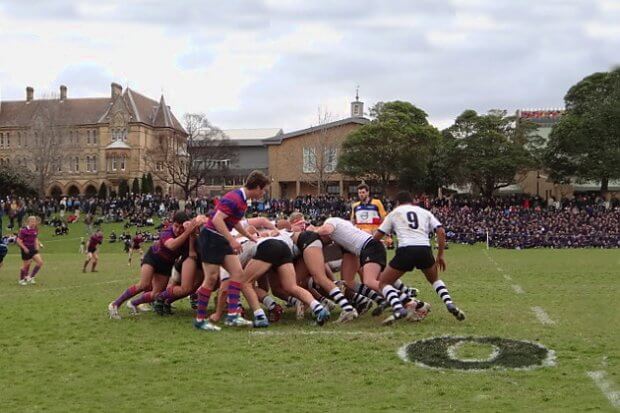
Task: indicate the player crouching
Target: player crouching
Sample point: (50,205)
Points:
(413,227)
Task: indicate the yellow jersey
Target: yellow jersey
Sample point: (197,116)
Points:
(368,216)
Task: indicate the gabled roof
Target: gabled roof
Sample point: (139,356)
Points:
(276,140)
(258,133)
(88,111)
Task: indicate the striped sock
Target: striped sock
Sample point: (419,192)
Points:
(291,302)
(269,302)
(392,295)
(234,292)
(167,295)
(359,299)
(204,294)
(400,286)
(316,307)
(144,298)
(260,313)
(130,292)
(405,298)
(442,291)
(23,274)
(368,292)
(338,297)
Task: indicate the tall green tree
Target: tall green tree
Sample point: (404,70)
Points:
(103,191)
(396,144)
(585,143)
(144,185)
(15,181)
(123,189)
(135,186)
(149,182)
(491,149)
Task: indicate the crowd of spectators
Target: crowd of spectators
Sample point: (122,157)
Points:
(516,221)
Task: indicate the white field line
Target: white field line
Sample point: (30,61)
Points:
(322,333)
(542,316)
(70,287)
(518,289)
(606,386)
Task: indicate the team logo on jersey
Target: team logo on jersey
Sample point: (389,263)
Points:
(450,352)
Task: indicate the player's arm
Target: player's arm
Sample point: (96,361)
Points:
(241,230)
(353,212)
(21,245)
(381,209)
(441,246)
(260,222)
(325,229)
(176,243)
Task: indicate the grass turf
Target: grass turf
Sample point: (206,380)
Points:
(60,352)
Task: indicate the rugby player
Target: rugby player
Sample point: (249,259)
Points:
(28,242)
(218,248)
(136,245)
(91,251)
(413,227)
(157,264)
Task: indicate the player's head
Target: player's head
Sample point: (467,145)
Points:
(283,224)
(298,222)
(363,191)
(177,222)
(403,197)
(256,184)
(32,221)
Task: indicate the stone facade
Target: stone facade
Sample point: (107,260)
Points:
(101,140)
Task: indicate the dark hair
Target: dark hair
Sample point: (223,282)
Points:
(363,186)
(180,217)
(403,197)
(257,179)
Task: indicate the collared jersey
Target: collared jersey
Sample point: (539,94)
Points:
(233,204)
(411,224)
(368,216)
(28,237)
(347,235)
(94,240)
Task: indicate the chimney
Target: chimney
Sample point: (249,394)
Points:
(117,90)
(29,94)
(63,92)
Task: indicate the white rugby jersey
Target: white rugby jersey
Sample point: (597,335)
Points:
(411,224)
(347,235)
(285,237)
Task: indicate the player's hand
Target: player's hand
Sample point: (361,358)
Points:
(201,219)
(441,263)
(234,244)
(253,238)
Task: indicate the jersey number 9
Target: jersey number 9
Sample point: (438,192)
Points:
(412,217)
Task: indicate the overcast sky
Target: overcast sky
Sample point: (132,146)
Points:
(273,63)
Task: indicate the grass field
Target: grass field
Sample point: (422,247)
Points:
(60,352)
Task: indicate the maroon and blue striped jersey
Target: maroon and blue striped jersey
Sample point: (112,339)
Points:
(234,205)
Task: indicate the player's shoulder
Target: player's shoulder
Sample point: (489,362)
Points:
(376,202)
(355,204)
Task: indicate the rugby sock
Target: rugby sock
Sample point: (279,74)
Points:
(260,313)
(338,297)
(234,291)
(130,292)
(368,292)
(442,292)
(392,295)
(359,299)
(291,302)
(94,265)
(85,264)
(400,286)
(35,270)
(167,295)
(203,302)
(269,302)
(23,273)
(144,298)
(316,307)
(405,298)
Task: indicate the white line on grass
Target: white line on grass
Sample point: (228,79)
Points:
(70,287)
(542,316)
(321,333)
(518,289)
(606,386)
